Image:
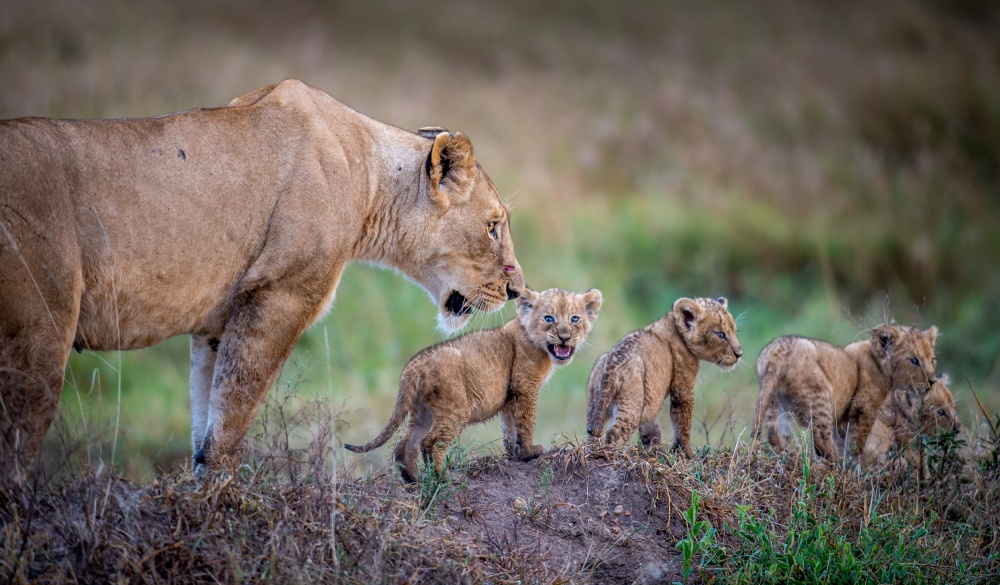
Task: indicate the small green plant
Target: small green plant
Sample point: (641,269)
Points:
(818,547)
(436,487)
(545,479)
(700,538)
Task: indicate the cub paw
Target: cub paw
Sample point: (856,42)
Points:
(529,452)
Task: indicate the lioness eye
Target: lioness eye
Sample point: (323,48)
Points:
(492,228)
(720,335)
(942,413)
(574,319)
(914,361)
(550,319)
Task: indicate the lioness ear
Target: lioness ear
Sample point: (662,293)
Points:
(592,300)
(884,337)
(931,334)
(526,302)
(686,311)
(449,167)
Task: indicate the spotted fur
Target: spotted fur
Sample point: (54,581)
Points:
(630,382)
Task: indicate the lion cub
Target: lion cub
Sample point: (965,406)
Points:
(838,390)
(631,381)
(907,413)
(472,378)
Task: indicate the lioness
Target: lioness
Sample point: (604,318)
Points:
(839,389)
(634,378)
(232,224)
(472,378)
(907,413)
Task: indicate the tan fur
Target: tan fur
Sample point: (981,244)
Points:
(638,373)
(838,390)
(905,414)
(232,224)
(474,377)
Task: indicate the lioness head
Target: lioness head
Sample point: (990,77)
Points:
(558,321)
(906,356)
(468,257)
(708,330)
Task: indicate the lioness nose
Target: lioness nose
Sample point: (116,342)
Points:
(511,293)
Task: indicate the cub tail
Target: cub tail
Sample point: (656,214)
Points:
(404,403)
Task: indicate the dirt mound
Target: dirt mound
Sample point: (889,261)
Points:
(581,516)
(564,517)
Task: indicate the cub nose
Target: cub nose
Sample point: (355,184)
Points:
(738,352)
(511,293)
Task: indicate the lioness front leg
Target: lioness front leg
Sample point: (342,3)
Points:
(258,339)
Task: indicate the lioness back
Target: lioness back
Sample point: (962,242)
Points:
(476,376)
(631,381)
(837,390)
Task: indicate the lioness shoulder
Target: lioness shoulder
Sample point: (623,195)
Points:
(476,376)
(631,381)
(838,390)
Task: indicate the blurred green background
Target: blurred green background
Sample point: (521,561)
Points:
(826,166)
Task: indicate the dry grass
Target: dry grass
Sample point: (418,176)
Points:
(581,513)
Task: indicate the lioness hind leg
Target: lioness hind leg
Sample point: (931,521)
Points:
(36,334)
(31,381)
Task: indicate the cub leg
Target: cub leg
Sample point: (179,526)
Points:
(649,434)
(630,393)
(813,407)
(775,430)
(259,337)
(649,428)
(410,445)
(519,421)
(681,407)
(204,350)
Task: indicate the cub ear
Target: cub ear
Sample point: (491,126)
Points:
(931,334)
(724,302)
(884,337)
(592,300)
(526,302)
(450,165)
(687,312)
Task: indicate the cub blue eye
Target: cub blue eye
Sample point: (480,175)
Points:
(914,361)
(550,319)
(720,335)
(574,319)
